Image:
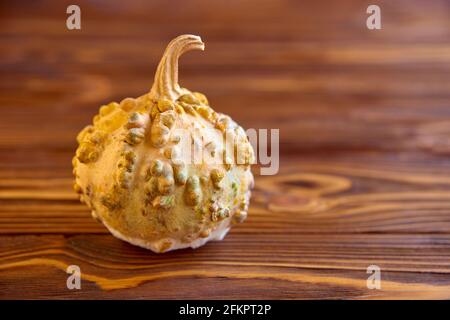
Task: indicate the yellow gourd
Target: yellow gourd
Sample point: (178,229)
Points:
(134,171)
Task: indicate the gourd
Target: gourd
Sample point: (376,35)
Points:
(131,171)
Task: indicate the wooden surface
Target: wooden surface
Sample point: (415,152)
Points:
(364,119)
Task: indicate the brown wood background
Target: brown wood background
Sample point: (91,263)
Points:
(364,119)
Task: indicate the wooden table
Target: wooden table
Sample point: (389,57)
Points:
(364,119)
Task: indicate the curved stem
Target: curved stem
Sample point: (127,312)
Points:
(166,77)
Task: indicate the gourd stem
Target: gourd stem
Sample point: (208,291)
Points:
(166,77)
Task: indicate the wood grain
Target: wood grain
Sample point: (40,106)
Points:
(364,119)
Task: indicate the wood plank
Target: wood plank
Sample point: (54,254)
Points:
(364,119)
(307,196)
(235,268)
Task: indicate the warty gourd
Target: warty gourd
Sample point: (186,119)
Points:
(132,172)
